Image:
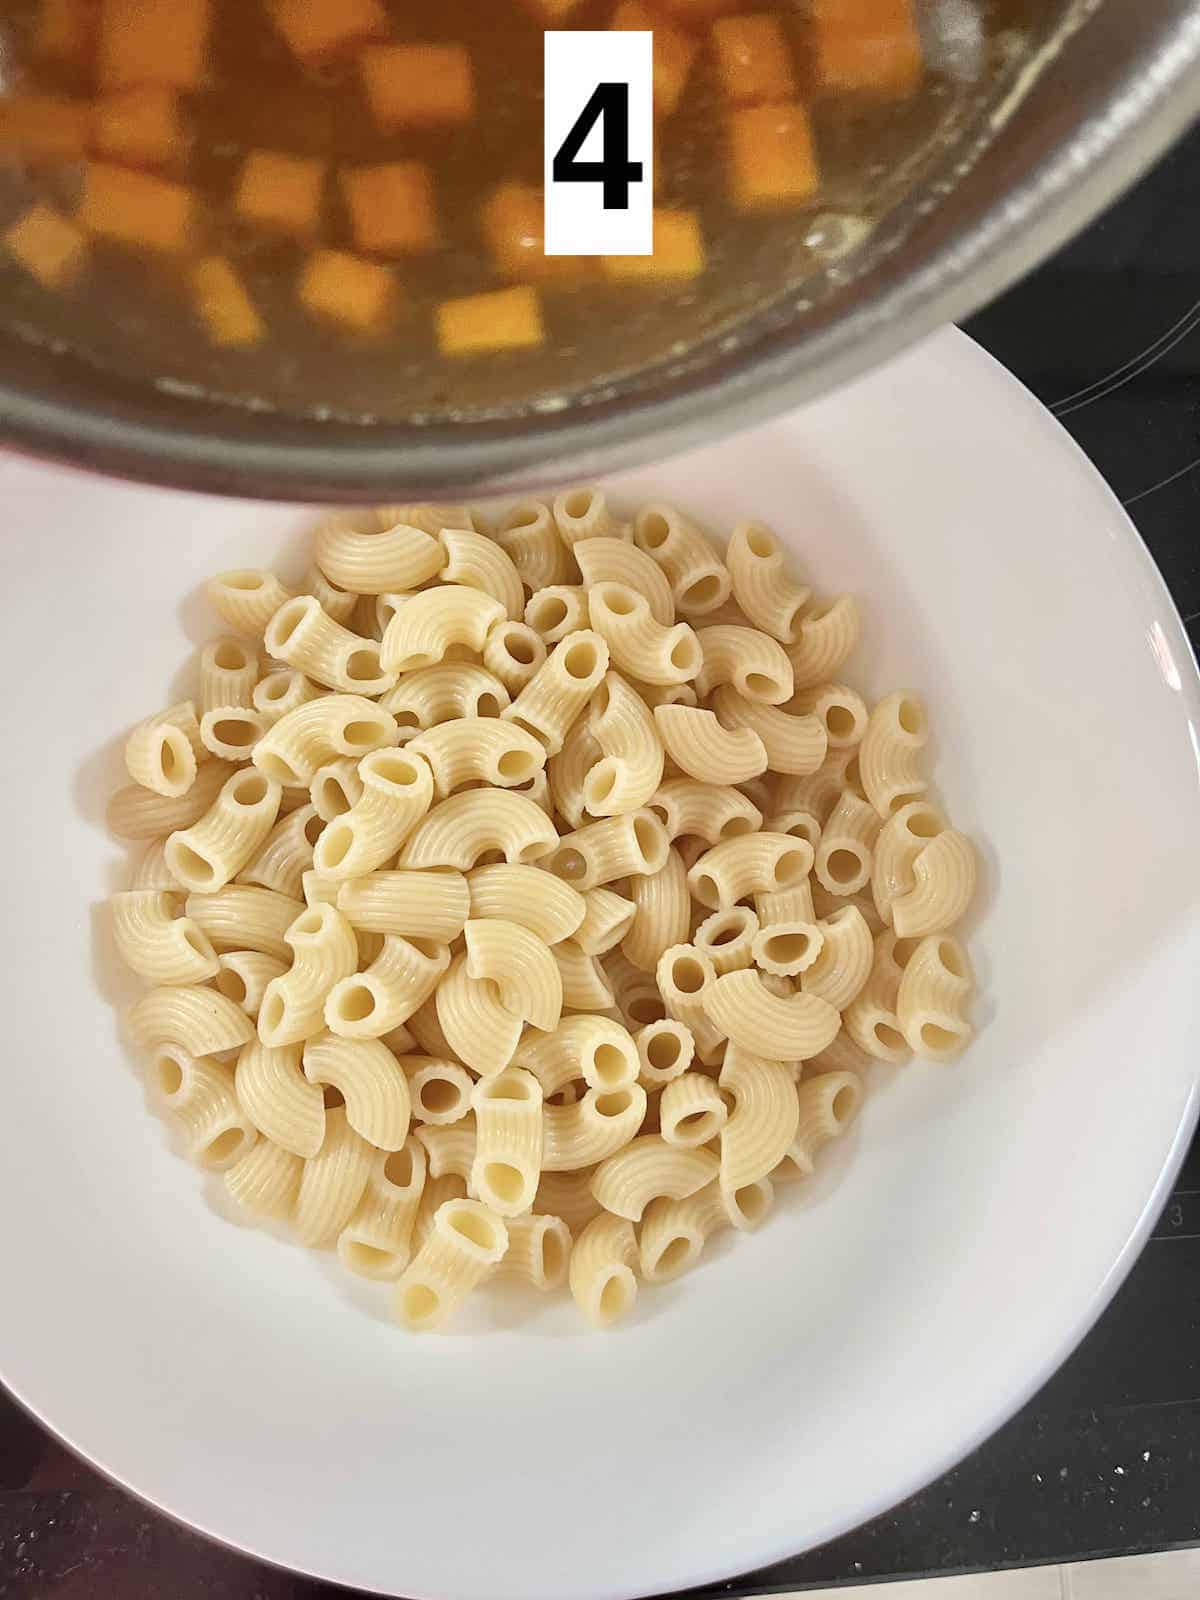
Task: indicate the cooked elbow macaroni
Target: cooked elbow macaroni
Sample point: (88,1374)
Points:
(470,952)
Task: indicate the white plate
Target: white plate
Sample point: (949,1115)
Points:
(888,1317)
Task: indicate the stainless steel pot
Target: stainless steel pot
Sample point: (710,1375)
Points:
(1096,97)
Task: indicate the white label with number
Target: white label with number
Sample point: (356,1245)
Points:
(599,138)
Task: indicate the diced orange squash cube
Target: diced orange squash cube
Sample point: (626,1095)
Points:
(342,288)
(674,52)
(66,31)
(136,208)
(512,221)
(281,193)
(678,252)
(506,319)
(753,60)
(314,29)
(153,41)
(418,85)
(141,126)
(771,156)
(227,310)
(45,127)
(391,208)
(867,45)
(48,246)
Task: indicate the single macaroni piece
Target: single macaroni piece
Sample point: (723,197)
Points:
(762,1123)
(666,694)
(397,792)
(231,732)
(889,759)
(728,938)
(582,513)
(377,1241)
(301,634)
(699,580)
(792,743)
(247,599)
(589,1049)
(899,842)
(870,1019)
(645,649)
(761,585)
(152,871)
(333,1182)
(477,562)
(280,692)
(514,653)
(602,1273)
(369,1079)
(401,977)
(265,1181)
(529,535)
(818,792)
(537,900)
(933,996)
(197,1020)
(843,1055)
(787,946)
(336,603)
(466,1242)
(752,863)
(685,975)
(508,1140)
(827,1105)
(426,1030)
(163,751)
(661,913)
(842,710)
(709,811)
(754,663)
(158,944)
(278,1099)
(583,1134)
(324,951)
(539,1249)
(691,1111)
(239,917)
(647,1168)
(479,1028)
(800,824)
(432,622)
(434,1195)
(318,732)
(555,612)
(944,882)
(635,843)
(567,1195)
(609,560)
(745,1011)
(521,967)
(439,1089)
(843,963)
(605,923)
(558,691)
(287,854)
(335,787)
(585,984)
(478,749)
(371,552)
(138,813)
(827,634)
(569,769)
(425,905)
(844,856)
(665,1052)
(228,673)
(439,694)
(479,822)
(243,976)
(200,1094)
(707,750)
(632,765)
(450,1150)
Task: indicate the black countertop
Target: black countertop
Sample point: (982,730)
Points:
(1106,1459)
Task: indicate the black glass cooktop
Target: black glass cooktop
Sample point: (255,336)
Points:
(1106,1459)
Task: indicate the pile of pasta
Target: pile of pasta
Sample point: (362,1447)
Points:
(527,901)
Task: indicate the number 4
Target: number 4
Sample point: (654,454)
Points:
(609,104)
